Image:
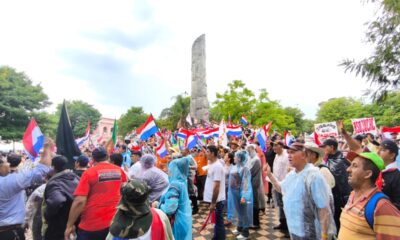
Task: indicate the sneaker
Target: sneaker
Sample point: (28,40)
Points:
(235,232)
(241,237)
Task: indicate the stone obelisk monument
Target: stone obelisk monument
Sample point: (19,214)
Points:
(199,101)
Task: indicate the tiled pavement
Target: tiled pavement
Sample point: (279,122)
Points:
(267,222)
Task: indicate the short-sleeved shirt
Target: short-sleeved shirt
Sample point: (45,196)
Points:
(281,165)
(101,184)
(295,196)
(216,172)
(201,161)
(353,224)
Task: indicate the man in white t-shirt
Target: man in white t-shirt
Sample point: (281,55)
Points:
(214,190)
(281,165)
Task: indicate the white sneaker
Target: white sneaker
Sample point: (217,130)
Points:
(241,237)
(235,232)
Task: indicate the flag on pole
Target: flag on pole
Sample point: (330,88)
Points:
(189,119)
(191,141)
(262,136)
(65,140)
(81,141)
(182,133)
(316,138)
(222,136)
(161,149)
(115,132)
(147,129)
(234,131)
(244,120)
(33,139)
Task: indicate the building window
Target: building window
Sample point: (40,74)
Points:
(104,129)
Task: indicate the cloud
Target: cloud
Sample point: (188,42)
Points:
(129,40)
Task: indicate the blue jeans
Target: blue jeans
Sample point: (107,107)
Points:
(219,228)
(86,235)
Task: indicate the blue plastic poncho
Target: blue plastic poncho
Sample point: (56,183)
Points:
(176,201)
(240,187)
(304,194)
(155,178)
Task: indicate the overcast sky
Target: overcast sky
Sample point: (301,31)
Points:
(118,54)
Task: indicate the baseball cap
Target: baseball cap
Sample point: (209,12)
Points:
(359,137)
(390,145)
(330,142)
(83,160)
(373,157)
(99,153)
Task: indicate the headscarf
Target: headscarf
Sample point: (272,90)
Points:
(179,169)
(242,157)
(147,161)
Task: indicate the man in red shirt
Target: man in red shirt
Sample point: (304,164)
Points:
(96,198)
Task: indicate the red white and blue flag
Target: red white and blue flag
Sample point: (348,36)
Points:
(191,141)
(81,141)
(183,133)
(387,132)
(244,120)
(232,130)
(33,139)
(262,136)
(287,138)
(214,132)
(162,150)
(148,129)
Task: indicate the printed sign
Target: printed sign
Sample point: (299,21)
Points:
(364,125)
(325,130)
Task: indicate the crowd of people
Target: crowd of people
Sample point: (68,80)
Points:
(345,188)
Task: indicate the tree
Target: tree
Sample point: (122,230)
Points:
(237,100)
(343,108)
(298,119)
(79,113)
(19,100)
(130,120)
(267,110)
(382,68)
(176,114)
(386,112)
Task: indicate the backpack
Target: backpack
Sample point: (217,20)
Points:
(370,207)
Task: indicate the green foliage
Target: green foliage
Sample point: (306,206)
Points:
(343,108)
(176,114)
(130,120)
(19,100)
(382,67)
(79,112)
(237,100)
(387,112)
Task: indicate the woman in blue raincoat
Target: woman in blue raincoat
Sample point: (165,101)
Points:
(240,196)
(175,203)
